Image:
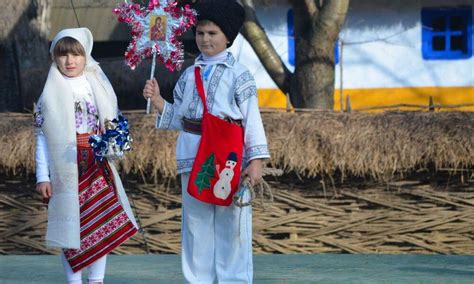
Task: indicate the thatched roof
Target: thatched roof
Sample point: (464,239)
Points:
(378,145)
(310,144)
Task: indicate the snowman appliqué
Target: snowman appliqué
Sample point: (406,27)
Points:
(223,187)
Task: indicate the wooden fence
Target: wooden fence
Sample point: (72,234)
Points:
(307,216)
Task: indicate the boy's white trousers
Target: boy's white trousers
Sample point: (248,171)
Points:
(216,241)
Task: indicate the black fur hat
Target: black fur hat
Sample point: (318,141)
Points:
(227,14)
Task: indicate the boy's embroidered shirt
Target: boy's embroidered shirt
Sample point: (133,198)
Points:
(230,92)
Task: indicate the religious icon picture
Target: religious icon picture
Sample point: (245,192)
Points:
(158,28)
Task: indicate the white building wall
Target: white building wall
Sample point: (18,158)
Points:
(274,21)
(382,47)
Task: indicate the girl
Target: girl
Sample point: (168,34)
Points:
(88,211)
(216,240)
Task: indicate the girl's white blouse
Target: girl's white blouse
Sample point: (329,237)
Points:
(87,121)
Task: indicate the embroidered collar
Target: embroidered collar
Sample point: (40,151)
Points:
(229,61)
(216,58)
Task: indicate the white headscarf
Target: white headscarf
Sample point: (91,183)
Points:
(82,35)
(60,130)
(105,97)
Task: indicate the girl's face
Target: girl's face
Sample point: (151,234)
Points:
(71,64)
(210,39)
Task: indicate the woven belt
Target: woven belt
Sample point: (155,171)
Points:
(194,125)
(83,139)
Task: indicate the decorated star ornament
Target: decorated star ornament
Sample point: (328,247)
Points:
(155,32)
(156,28)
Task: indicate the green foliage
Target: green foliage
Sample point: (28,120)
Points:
(203,179)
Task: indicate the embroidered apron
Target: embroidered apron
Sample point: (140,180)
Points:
(215,175)
(104,223)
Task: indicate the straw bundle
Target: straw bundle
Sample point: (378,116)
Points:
(378,145)
(381,146)
(154,150)
(17,143)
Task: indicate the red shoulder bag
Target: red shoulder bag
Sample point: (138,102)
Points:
(215,175)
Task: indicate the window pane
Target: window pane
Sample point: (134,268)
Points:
(438,24)
(446,32)
(439,43)
(457,23)
(458,43)
(291,38)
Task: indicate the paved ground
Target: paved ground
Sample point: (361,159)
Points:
(320,268)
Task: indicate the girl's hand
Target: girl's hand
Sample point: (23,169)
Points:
(152,91)
(45,189)
(254,171)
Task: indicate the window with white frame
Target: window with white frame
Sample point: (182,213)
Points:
(446,32)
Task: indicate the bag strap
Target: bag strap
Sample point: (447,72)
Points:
(200,87)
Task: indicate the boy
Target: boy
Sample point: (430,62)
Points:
(216,240)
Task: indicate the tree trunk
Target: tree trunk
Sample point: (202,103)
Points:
(316,31)
(24,56)
(255,35)
(317,25)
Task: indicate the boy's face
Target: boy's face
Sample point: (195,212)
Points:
(210,39)
(71,65)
